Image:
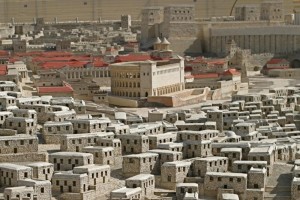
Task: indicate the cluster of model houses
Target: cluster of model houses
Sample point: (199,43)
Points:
(222,150)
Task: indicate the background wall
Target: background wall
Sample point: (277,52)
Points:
(65,10)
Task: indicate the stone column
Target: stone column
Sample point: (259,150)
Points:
(252,43)
(218,46)
(272,44)
(279,47)
(257,44)
(247,41)
(262,48)
(242,41)
(223,45)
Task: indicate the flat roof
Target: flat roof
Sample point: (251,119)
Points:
(177,163)
(99,148)
(18,137)
(141,177)
(211,158)
(226,174)
(187,185)
(239,150)
(14,166)
(39,164)
(70,154)
(92,167)
(227,196)
(141,155)
(52,123)
(127,191)
(261,150)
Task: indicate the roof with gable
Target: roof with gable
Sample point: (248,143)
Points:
(231,72)
(275,61)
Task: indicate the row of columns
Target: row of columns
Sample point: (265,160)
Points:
(126,84)
(257,43)
(79,74)
(126,93)
(167,90)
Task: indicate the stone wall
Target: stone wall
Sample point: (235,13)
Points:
(68,10)
(24,157)
(118,101)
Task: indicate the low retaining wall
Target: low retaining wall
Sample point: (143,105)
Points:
(123,102)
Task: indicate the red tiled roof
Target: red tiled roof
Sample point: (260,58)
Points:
(203,76)
(132,57)
(61,58)
(277,61)
(231,72)
(55,54)
(3,69)
(209,61)
(217,62)
(4,53)
(55,89)
(14,59)
(27,54)
(188,69)
(100,63)
(2,73)
(72,64)
(59,65)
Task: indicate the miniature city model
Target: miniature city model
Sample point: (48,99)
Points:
(156,100)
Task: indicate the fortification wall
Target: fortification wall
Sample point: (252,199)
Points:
(25,11)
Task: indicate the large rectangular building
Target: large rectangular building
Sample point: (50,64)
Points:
(147,78)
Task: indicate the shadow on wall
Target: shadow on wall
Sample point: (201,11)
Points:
(195,49)
(295,63)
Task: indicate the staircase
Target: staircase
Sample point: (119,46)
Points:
(278,185)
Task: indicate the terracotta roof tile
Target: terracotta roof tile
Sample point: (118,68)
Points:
(132,57)
(277,61)
(231,72)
